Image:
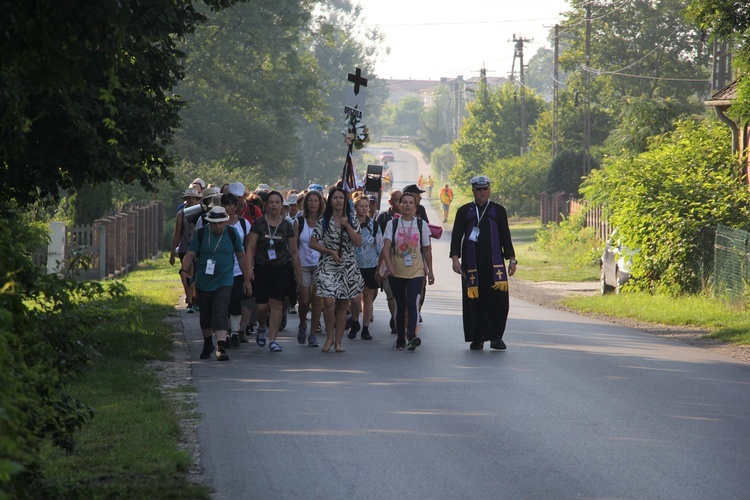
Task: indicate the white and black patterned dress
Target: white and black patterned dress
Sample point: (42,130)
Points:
(340,281)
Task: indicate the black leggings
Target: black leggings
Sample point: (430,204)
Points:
(406,292)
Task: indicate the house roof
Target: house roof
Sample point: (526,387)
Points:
(723,97)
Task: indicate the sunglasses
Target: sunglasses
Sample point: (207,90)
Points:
(481,189)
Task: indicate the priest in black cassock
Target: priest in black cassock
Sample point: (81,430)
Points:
(480,245)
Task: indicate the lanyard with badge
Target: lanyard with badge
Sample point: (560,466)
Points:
(474,236)
(271,236)
(407,238)
(211,263)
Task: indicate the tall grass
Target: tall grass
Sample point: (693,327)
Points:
(129,449)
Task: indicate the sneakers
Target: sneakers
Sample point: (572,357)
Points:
(292,310)
(301,334)
(190,309)
(274,347)
(353,330)
(312,341)
(414,343)
(399,346)
(261,338)
(476,346)
(243,338)
(221,352)
(250,329)
(498,344)
(208,349)
(234,341)
(366,333)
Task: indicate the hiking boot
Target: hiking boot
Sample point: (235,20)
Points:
(221,352)
(353,330)
(234,341)
(208,349)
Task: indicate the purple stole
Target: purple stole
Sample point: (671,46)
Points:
(499,276)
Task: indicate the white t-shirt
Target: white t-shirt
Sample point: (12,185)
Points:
(407,242)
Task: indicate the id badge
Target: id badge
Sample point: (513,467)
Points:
(474,236)
(407,259)
(210,266)
(272,253)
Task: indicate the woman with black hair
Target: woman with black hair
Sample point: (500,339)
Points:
(339,279)
(275,261)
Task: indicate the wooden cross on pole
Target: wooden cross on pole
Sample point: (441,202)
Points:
(358,80)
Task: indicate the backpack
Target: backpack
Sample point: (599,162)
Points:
(395,225)
(232,236)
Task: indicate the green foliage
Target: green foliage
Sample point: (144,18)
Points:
(571,238)
(632,37)
(642,117)
(566,173)
(403,117)
(729,20)
(86,93)
(517,182)
(44,322)
(265,82)
(442,160)
(666,201)
(493,129)
(90,203)
(436,122)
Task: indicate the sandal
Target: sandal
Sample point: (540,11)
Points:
(274,347)
(339,348)
(327,346)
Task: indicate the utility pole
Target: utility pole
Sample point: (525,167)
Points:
(587,95)
(519,54)
(555,79)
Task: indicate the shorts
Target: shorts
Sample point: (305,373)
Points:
(273,282)
(445,207)
(238,296)
(309,273)
(214,306)
(368,274)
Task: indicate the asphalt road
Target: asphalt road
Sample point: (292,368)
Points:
(575,408)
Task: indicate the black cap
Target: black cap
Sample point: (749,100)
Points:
(412,188)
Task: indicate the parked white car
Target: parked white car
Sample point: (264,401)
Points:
(615,264)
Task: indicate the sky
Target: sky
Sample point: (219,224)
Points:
(430,39)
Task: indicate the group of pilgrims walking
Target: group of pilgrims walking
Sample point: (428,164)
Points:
(251,260)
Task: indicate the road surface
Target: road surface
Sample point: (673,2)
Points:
(575,408)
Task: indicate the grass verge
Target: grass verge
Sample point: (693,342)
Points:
(726,323)
(130,447)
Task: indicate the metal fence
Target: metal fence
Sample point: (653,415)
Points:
(732,264)
(109,247)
